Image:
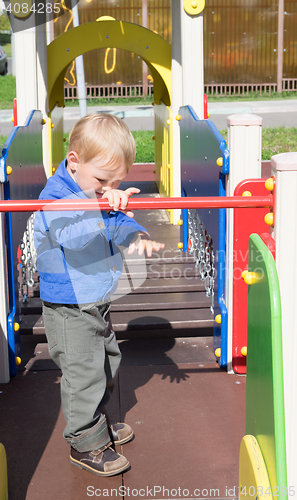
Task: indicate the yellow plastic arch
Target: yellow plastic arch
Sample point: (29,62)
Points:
(153,49)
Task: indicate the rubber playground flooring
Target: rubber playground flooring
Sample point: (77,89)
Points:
(187,414)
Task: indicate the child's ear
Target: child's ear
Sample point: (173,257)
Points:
(73,160)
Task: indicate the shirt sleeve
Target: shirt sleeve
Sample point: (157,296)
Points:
(123,229)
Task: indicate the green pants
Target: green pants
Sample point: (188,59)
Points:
(82,343)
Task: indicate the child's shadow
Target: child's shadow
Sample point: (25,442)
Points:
(148,349)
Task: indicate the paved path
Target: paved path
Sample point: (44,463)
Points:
(274,113)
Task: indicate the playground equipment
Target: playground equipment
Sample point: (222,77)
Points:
(184,67)
(265,415)
(24,177)
(260,272)
(44,68)
(242,204)
(204,165)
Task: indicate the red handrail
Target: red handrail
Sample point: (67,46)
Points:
(139,204)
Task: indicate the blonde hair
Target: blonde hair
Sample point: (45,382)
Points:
(102,134)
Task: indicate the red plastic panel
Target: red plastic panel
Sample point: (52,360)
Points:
(269,242)
(246,222)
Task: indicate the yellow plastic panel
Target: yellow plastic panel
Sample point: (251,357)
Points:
(253,477)
(194,7)
(163,150)
(3,474)
(57,144)
(152,48)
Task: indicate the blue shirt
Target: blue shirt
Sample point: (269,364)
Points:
(78,258)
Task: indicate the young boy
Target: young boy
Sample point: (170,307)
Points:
(79,263)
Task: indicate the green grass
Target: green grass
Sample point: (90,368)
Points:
(2,142)
(7,91)
(274,141)
(145,146)
(253,96)
(7,48)
(117,101)
(278,140)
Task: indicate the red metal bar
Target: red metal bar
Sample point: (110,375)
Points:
(205,107)
(15,113)
(139,204)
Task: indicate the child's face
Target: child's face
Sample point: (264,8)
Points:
(98,175)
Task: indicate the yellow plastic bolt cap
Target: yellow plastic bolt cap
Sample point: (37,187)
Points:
(180,245)
(12,119)
(168,166)
(218,319)
(18,360)
(8,170)
(168,122)
(246,193)
(208,115)
(193,7)
(269,184)
(105,18)
(52,125)
(269,219)
(16,327)
(251,278)
(180,222)
(244,350)
(244,273)
(218,352)
(178,118)
(43,121)
(220,161)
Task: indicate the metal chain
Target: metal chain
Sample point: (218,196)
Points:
(28,258)
(201,246)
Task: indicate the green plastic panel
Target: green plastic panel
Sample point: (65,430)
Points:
(265,416)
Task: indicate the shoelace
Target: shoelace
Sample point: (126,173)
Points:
(102,450)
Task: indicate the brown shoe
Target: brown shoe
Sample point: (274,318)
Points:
(103,462)
(121,433)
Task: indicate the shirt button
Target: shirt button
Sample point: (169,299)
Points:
(114,268)
(101,225)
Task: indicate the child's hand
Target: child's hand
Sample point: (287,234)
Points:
(143,244)
(118,199)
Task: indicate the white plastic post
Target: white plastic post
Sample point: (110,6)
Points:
(176,75)
(25,67)
(284,169)
(30,52)
(80,72)
(245,146)
(187,77)
(192,60)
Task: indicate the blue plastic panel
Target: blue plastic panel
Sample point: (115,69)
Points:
(201,146)
(23,153)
